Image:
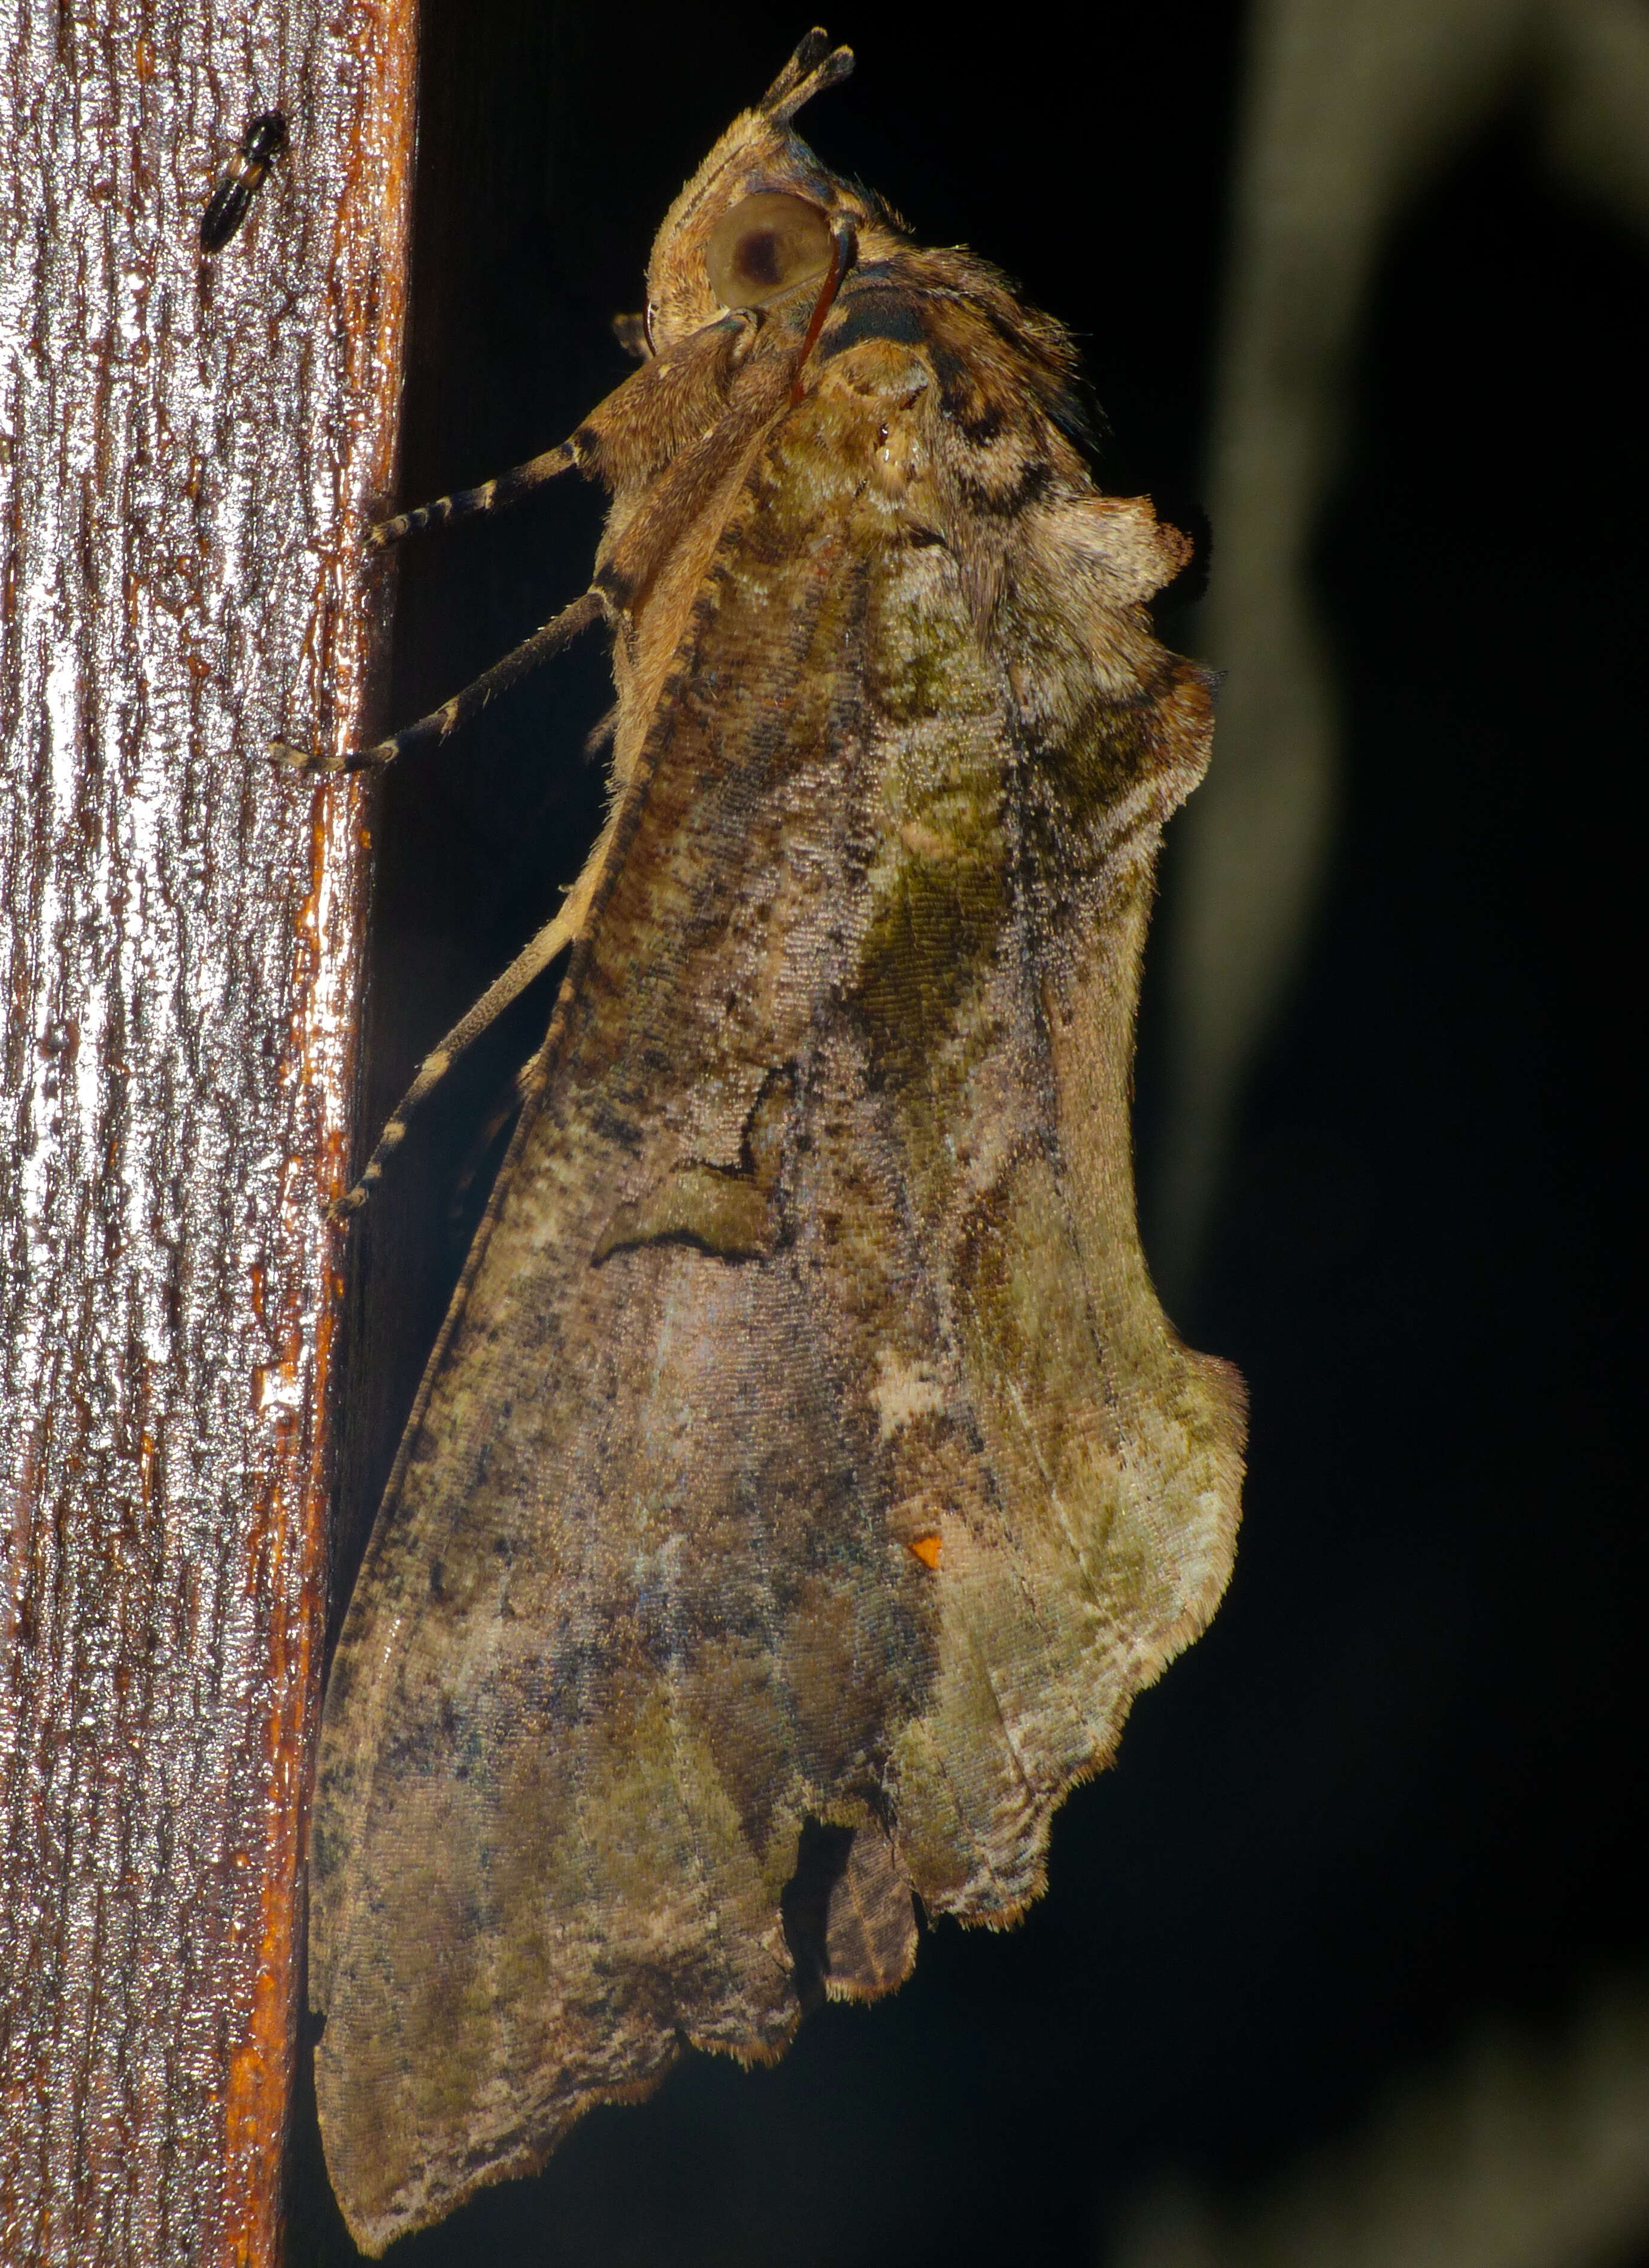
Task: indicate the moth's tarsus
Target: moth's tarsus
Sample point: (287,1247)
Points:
(495,495)
(294,759)
(560,631)
(550,942)
(355,1197)
(345,1208)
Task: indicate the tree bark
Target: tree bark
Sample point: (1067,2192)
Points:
(192,449)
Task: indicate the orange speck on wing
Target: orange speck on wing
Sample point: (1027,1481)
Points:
(926,1547)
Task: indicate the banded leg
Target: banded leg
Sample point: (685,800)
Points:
(495,495)
(556,633)
(520,973)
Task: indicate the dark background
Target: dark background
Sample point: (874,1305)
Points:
(1399,1788)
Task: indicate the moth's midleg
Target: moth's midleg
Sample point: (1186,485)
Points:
(529,964)
(495,495)
(560,631)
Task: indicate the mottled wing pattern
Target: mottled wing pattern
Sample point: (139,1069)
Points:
(595,1676)
(812,1459)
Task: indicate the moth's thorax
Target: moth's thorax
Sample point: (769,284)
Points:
(854,457)
(911,411)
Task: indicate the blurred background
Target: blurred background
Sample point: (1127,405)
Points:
(1347,1962)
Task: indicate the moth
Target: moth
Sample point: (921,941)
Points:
(241,179)
(806,1478)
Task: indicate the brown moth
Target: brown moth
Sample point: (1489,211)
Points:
(806,1479)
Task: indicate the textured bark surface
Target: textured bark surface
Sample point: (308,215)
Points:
(190,452)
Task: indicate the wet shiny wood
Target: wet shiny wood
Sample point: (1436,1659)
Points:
(193,447)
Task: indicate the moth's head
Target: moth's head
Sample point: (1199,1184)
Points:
(761,218)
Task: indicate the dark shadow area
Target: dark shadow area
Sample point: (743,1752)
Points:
(1399,1787)
(1428,1268)
(821,1857)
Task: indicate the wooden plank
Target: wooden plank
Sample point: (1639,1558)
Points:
(193,449)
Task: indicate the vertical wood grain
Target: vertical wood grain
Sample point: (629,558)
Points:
(189,452)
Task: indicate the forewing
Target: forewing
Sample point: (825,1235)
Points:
(633,1610)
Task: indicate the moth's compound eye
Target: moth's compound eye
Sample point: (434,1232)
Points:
(767,245)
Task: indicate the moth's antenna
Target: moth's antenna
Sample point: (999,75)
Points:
(811,50)
(815,66)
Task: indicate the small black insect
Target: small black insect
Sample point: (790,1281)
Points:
(241,179)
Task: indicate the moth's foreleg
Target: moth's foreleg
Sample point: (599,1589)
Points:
(492,495)
(556,633)
(527,965)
